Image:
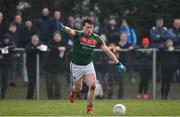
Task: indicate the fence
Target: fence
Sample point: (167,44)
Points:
(154,89)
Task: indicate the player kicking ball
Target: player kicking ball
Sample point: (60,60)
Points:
(81,65)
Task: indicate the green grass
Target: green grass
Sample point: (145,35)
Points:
(102,107)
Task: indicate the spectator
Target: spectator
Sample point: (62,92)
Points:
(132,39)
(12,32)
(56,21)
(97,24)
(13,35)
(19,65)
(112,31)
(44,26)
(159,33)
(145,69)
(77,24)
(28,31)
(70,21)
(19,25)
(5,63)
(168,62)
(2,28)
(55,66)
(123,56)
(101,66)
(175,35)
(32,49)
(175,32)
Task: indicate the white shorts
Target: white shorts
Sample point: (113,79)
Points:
(79,71)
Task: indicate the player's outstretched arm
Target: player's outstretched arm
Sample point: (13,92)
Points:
(120,66)
(68,30)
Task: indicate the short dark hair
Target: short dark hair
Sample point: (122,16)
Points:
(89,21)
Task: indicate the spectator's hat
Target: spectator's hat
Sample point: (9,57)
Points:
(7,36)
(145,41)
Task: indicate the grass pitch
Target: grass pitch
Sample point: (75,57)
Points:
(102,107)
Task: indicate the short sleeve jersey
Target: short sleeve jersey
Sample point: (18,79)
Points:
(83,47)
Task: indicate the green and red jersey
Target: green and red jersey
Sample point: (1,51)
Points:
(83,47)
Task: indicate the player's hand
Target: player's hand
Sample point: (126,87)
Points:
(62,26)
(121,67)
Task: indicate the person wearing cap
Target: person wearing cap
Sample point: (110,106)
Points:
(145,68)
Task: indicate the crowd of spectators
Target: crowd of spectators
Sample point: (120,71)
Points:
(35,34)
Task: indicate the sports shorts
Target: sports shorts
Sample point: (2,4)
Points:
(79,71)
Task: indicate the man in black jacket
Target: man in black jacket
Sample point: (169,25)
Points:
(55,66)
(28,31)
(12,33)
(5,63)
(32,49)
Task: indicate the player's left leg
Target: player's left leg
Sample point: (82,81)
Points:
(91,81)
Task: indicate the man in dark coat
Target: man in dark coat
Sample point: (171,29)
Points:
(32,49)
(44,26)
(55,65)
(28,31)
(5,63)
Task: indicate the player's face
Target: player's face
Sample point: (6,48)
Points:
(88,29)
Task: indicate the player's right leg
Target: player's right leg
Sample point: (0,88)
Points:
(77,86)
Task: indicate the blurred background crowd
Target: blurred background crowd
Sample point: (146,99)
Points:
(123,34)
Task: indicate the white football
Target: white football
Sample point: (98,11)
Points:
(119,109)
